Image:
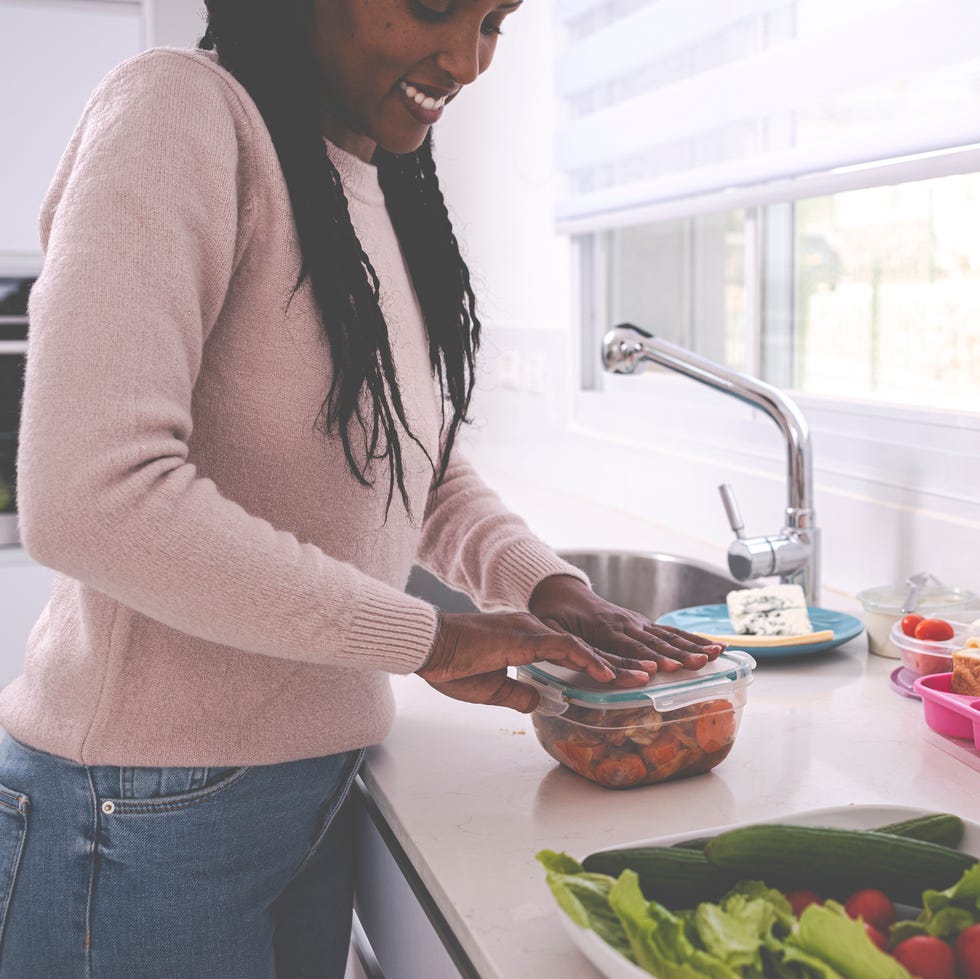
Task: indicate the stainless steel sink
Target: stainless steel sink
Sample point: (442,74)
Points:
(647,582)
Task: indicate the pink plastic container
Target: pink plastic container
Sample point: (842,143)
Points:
(951,714)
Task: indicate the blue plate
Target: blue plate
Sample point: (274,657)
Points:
(714,620)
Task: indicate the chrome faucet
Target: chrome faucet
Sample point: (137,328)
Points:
(793,553)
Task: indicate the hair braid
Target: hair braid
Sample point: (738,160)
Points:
(439,274)
(265,45)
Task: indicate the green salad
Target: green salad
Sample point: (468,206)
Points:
(748,933)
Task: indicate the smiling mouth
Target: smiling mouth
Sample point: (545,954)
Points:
(421,99)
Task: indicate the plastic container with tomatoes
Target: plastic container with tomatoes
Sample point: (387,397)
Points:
(680,724)
(924,657)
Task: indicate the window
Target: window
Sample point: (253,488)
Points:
(869,295)
(792,188)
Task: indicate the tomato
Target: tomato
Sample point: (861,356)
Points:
(934,630)
(876,936)
(874,907)
(926,957)
(968,952)
(800,900)
(909,623)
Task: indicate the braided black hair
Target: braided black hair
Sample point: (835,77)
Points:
(266,45)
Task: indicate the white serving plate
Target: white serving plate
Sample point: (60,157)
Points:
(610,963)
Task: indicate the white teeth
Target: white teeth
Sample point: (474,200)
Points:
(420,98)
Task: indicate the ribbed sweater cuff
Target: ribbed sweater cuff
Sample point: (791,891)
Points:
(391,631)
(523,566)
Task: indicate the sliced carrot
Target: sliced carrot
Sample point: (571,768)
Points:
(715,725)
(577,757)
(621,771)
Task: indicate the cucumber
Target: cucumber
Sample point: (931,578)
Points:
(698,843)
(674,877)
(837,862)
(937,827)
(940,827)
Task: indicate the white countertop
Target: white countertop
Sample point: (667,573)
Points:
(471,796)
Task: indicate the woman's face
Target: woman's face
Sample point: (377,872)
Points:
(390,66)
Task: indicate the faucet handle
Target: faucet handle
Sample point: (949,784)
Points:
(731,509)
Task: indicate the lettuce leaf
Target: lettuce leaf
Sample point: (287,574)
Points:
(793,963)
(584,897)
(659,939)
(964,894)
(750,919)
(827,933)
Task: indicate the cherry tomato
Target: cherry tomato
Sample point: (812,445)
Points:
(874,907)
(968,952)
(934,630)
(876,936)
(800,900)
(926,957)
(909,623)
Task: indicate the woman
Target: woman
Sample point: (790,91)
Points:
(252,347)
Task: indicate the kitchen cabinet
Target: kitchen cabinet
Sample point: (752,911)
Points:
(407,935)
(52,55)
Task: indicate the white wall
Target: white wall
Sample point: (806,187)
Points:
(174,23)
(493,149)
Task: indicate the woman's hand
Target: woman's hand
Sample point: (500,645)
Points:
(472,651)
(624,639)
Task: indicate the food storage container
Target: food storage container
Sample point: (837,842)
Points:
(925,658)
(680,724)
(883,607)
(952,715)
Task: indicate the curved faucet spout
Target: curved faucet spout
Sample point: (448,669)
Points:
(627,349)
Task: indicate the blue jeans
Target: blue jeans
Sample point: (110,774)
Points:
(174,873)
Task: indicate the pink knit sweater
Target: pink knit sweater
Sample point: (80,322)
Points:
(227,593)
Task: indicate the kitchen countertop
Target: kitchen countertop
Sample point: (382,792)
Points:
(471,796)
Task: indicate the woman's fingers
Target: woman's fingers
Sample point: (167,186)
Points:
(495,689)
(568,650)
(690,641)
(626,670)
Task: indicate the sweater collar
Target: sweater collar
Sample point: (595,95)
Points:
(360,179)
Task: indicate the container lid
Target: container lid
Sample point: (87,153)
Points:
(667,691)
(933,598)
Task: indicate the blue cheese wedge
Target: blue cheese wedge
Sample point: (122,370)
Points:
(775,610)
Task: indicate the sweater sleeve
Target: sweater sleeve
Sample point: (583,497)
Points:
(473,543)
(142,227)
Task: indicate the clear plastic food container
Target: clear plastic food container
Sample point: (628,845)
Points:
(883,607)
(925,658)
(680,724)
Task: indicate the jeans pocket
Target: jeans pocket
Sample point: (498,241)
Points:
(14,808)
(336,799)
(149,789)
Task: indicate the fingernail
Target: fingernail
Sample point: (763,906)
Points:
(610,673)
